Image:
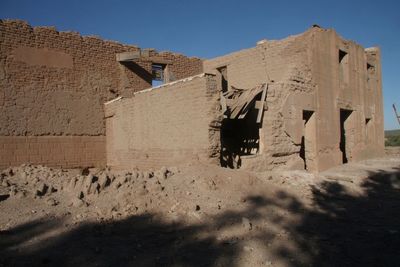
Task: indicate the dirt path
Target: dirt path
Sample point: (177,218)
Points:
(198,215)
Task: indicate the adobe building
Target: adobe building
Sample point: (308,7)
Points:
(310,101)
(53,86)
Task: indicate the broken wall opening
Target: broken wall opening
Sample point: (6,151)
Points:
(239,137)
(344,133)
(223,77)
(240,130)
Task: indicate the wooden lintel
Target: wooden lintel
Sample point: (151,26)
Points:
(128,56)
(138,56)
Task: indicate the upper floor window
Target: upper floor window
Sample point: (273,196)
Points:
(343,67)
(158,75)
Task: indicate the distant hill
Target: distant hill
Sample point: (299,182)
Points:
(392,138)
(392,133)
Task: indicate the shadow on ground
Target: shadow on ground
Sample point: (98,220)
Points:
(338,229)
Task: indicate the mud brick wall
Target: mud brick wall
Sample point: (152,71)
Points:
(269,60)
(61,151)
(165,126)
(55,83)
(285,65)
(306,76)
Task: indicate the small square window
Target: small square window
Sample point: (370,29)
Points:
(157,72)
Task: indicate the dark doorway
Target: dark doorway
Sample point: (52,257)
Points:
(224,78)
(306,136)
(239,137)
(344,115)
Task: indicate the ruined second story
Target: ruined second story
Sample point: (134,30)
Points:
(46,72)
(53,85)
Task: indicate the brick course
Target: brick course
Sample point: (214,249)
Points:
(57,151)
(164,126)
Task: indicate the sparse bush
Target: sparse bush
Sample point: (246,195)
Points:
(392,140)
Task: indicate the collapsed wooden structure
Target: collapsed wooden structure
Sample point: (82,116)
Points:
(236,103)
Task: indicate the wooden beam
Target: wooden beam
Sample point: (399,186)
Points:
(223,102)
(260,105)
(261,110)
(128,56)
(142,56)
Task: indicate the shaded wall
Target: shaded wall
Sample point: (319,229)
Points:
(165,126)
(350,85)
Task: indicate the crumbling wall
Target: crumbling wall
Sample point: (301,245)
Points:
(165,125)
(311,76)
(55,83)
(285,65)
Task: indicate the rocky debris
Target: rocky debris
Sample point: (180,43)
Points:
(248,249)
(120,180)
(224,201)
(4,196)
(163,173)
(41,189)
(80,195)
(5,183)
(148,174)
(247,224)
(104,181)
(113,193)
(17,193)
(90,185)
(51,202)
(85,171)
(78,203)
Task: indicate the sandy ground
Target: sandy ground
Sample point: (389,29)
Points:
(199,215)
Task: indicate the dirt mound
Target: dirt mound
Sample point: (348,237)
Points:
(200,215)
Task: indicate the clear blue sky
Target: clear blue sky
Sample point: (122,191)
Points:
(207,29)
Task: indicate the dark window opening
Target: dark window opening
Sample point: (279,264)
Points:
(343,68)
(370,69)
(368,129)
(224,78)
(158,75)
(239,137)
(342,56)
(344,115)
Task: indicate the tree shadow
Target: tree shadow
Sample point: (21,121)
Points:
(337,229)
(344,229)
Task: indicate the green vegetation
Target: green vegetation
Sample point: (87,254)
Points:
(392,138)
